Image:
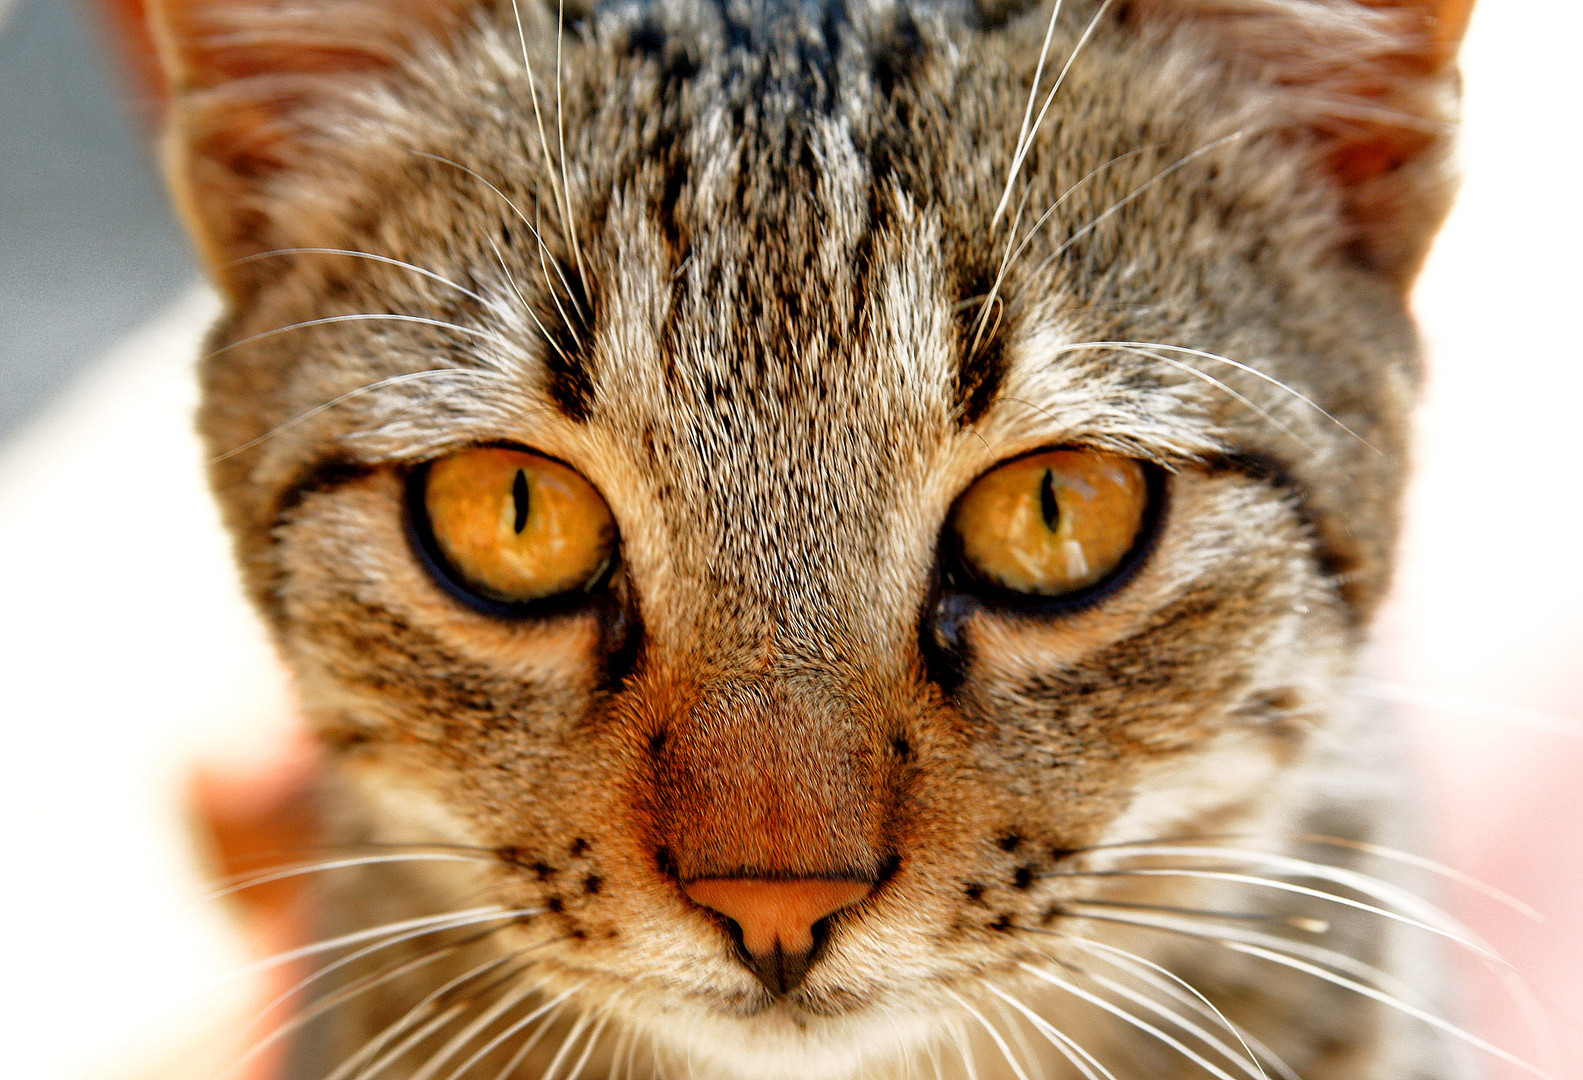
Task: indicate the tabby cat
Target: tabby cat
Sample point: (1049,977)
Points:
(829,539)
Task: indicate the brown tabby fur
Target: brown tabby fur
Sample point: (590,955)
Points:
(764,321)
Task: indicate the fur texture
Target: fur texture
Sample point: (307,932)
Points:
(781,281)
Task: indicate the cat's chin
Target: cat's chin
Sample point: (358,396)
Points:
(783,1042)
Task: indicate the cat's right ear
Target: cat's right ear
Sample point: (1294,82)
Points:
(253,89)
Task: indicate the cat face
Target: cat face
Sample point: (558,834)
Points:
(781,294)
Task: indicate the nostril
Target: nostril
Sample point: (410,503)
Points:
(778,924)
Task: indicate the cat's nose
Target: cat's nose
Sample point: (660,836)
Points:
(778,920)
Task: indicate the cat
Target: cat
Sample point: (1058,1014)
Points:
(830,540)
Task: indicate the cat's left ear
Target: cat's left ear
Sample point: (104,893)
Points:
(253,85)
(1371,85)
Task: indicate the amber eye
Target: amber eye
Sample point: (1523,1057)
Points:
(1052,523)
(512,527)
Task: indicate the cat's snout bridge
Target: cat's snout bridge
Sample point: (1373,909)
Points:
(778,922)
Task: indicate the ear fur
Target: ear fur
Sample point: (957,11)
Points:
(246,78)
(1374,83)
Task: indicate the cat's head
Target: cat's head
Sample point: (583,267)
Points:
(785,488)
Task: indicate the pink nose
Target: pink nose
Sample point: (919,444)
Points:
(776,919)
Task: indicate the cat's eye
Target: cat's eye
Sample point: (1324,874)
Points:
(511,527)
(1052,523)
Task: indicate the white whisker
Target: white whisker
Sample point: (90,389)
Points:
(515,209)
(1027,116)
(1011,256)
(341,399)
(512,281)
(469,917)
(994,1035)
(1138,1022)
(1245,1061)
(1218,935)
(1437,1022)
(1367,884)
(1239,365)
(548,1011)
(1173,985)
(1125,200)
(1290,887)
(560,127)
(563,209)
(386,259)
(366,316)
(471,1030)
(1439,701)
(1080,1058)
(300,869)
(1027,144)
(411,1016)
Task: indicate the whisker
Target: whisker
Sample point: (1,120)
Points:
(364,316)
(1011,256)
(1247,1061)
(386,259)
(1125,200)
(1287,886)
(1138,1022)
(413,1015)
(548,1010)
(439,1022)
(1014,1031)
(579,1025)
(1197,373)
(560,127)
(413,1040)
(1173,985)
(556,300)
(1391,854)
(1312,926)
(595,1033)
(1435,700)
(515,209)
(459,918)
(1218,935)
(1081,1059)
(393,380)
(1423,1015)
(1366,884)
(339,997)
(351,958)
(1049,99)
(534,315)
(993,1033)
(1239,365)
(564,210)
(301,869)
(1027,115)
(472,1029)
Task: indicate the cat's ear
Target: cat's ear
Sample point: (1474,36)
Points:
(253,84)
(1374,83)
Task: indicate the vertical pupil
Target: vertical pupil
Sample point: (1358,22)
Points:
(519,500)
(1047,501)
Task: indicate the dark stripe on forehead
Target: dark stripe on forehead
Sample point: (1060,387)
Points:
(981,334)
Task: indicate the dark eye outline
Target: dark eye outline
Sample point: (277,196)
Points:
(960,580)
(426,548)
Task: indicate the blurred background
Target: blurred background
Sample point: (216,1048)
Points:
(125,654)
